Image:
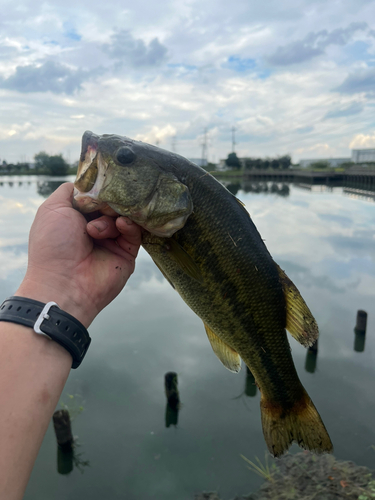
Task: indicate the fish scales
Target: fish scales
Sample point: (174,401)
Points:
(241,293)
(204,242)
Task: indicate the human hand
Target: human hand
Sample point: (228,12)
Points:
(81,266)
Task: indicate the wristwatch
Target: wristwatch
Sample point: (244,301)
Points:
(48,320)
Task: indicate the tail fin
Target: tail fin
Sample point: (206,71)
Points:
(301,423)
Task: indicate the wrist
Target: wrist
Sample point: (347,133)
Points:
(58,292)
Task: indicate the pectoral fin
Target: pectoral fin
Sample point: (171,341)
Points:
(183,259)
(228,356)
(299,320)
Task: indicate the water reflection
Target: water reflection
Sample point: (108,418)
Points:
(280,189)
(324,240)
(171,415)
(360,194)
(250,384)
(45,188)
(360,331)
(359,341)
(64,460)
(234,188)
(311,358)
(173,399)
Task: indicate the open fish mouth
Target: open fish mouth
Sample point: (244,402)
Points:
(89,182)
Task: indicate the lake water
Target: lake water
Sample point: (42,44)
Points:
(324,239)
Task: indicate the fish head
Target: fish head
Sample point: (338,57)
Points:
(132,179)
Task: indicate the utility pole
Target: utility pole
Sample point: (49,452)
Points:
(233,138)
(174,140)
(204,146)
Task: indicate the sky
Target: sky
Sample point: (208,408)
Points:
(293,77)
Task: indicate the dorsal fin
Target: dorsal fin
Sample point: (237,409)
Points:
(241,204)
(228,356)
(299,320)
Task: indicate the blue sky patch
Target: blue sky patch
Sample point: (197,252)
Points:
(71,32)
(264,74)
(358,51)
(237,64)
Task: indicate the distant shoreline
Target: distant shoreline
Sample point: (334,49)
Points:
(71,171)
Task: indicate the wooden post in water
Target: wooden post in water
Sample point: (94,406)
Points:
(361,324)
(360,331)
(311,358)
(63,429)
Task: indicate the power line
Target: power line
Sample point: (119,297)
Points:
(233,138)
(204,145)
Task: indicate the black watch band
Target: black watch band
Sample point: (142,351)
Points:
(48,319)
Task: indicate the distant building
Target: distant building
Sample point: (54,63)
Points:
(333,162)
(222,165)
(201,162)
(363,155)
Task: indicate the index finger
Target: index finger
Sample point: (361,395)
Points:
(131,234)
(62,196)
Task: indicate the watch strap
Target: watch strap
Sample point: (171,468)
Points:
(50,320)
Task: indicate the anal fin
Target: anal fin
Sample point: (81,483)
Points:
(228,356)
(299,320)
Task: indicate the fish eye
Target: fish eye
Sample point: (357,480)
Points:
(125,155)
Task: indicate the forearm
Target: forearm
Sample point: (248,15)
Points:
(33,373)
(81,267)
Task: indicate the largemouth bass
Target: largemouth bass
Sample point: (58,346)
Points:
(204,242)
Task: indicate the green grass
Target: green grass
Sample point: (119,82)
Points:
(263,470)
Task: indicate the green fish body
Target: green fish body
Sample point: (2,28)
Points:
(219,264)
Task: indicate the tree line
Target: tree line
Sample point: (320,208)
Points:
(44,165)
(281,162)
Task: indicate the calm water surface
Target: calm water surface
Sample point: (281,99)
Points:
(324,239)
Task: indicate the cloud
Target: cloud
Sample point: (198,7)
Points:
(8,51)
(293,53)
(304,130)
(320,148)
(129,50)
(313,45)
(363,141)
(360,81)
(49,76)
(353,109)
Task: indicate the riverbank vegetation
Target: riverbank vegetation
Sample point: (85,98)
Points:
(44,164)
(306,476)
